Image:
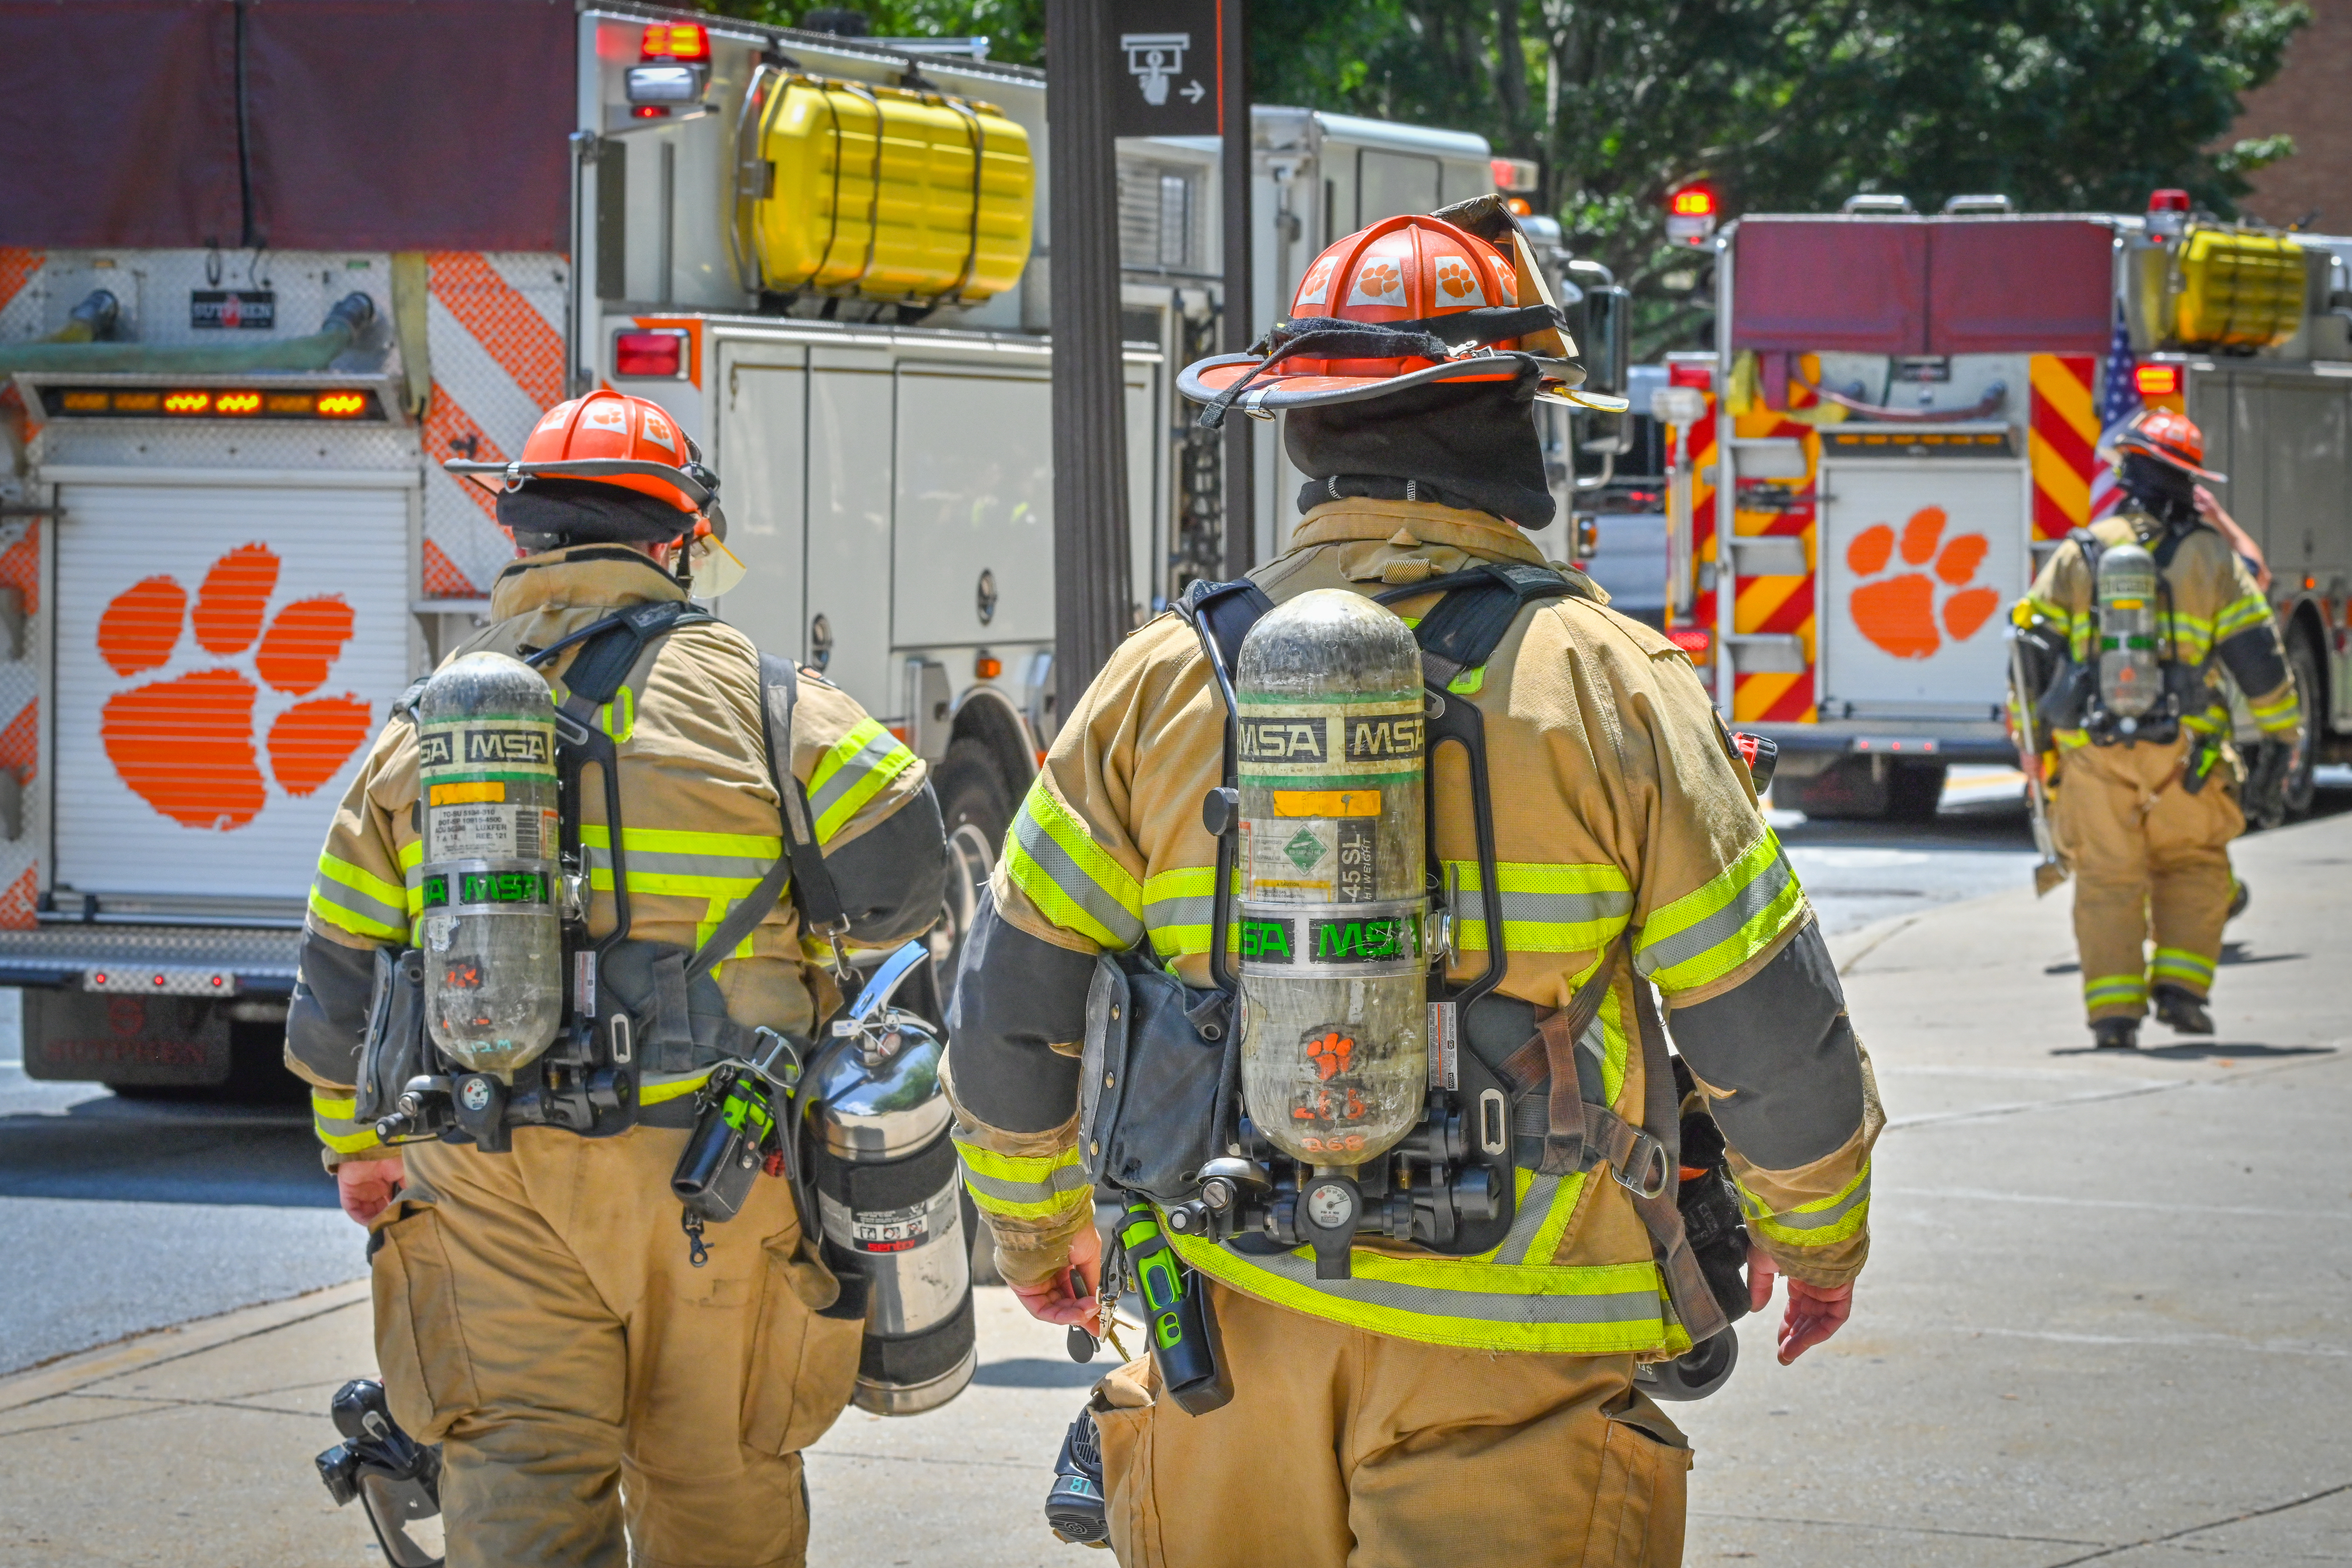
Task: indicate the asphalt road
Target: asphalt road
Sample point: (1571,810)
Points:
(121,1216)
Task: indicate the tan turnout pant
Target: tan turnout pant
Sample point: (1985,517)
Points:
(1345,1449)
(2150,859)
(536,1312)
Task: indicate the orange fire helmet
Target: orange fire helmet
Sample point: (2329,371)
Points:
(609,437)
(2169,438)
(1410,300)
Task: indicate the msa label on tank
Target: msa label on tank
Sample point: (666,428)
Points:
(1332,941)
(1298,740)
(443,889)
(504,744)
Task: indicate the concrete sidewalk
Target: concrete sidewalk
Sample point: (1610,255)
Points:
(2106,1321)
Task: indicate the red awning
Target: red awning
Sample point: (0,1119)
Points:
(369,124)
(1922,285)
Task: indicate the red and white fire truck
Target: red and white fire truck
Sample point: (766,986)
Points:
(1903,415)
(311,252)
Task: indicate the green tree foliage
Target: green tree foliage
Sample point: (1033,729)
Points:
(1782,105)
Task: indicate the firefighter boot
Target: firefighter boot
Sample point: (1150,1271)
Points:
(2180,1011)
(2241,896)
(2115,1034)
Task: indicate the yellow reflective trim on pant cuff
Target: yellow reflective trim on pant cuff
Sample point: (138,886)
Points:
(1622,1306)
(333,1120)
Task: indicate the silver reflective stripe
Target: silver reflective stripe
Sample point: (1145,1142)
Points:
(852,772)
(1723,924)
(1064,1179)
(668,863)
(1480,1306)
(1555,908)
(1819,1220)
(1192,910)
(367,906)
(1075,884)
(1535,1207)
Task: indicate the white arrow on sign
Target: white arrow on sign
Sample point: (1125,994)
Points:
(1193,91)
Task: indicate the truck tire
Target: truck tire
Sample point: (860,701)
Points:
(2303,784)
(976,808)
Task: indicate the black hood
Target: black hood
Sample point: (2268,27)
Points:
(1464,444)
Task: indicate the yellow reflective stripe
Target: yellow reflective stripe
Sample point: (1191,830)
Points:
(1704,935)
(2178,963)
(2238,615)
(625,701)
(1177,905)
(2112,990)
(1579,1309)
(357,902)
(761,848)
(331,1117)
(1817,1223)
(852,771)
(655,1090)
(1050,856)
(412,854)
(1024,1186)
(2211,722)
(2281,713)
(1546,908)
(674,863)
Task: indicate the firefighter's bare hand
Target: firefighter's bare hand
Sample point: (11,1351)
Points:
(1052,1300)
(366,1186)
(1813,1312)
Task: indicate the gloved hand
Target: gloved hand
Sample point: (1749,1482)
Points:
(1814,1311)
(2267,771)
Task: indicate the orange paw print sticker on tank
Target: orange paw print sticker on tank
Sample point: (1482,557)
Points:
(1900,614)
(186,745)
(1330,1054)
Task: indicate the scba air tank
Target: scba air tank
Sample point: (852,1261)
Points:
(492,940)
(2130,678)
(1335,1011)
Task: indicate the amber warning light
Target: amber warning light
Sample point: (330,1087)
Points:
(2157,380)
(1691,213)
(210,403)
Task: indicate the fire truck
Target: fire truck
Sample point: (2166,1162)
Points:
(377,236)
(1901,417)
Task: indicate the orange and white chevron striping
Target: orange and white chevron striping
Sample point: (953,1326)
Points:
(2062,440)
(494,328)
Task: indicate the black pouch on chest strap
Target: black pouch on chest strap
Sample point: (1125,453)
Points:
(1147,1080)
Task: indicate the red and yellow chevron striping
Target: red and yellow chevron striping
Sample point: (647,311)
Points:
(2062,441)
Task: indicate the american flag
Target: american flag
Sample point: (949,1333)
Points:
(2118,403)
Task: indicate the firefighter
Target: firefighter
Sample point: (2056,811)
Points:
(2148,788)
(602,1394)
(1480,1405)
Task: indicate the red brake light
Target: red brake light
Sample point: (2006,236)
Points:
(1693,201)
(2157,380)
(1693,640)
(2168,201)
(1699,376)
(650,353)
(675,41)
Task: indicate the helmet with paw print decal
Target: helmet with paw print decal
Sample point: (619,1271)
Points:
(1410,300)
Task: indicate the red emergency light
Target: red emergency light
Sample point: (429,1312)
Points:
(675,41)
(1693,640)
(654,353)
(1699,376)
(1692,201)
(2168,201)
(2157,380)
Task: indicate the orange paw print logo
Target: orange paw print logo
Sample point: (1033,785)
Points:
(1331,1055)
(186,746)
(1380,281)
(1898,614)
(1454,276)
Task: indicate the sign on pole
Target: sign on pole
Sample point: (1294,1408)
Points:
(1164,68)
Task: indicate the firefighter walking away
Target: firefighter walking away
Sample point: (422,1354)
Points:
(1424,1217)
(2123,639)
(583,899)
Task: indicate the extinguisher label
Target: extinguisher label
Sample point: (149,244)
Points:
(889,1230)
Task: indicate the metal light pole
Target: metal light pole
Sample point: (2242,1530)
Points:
(1238,331)
(1091,609)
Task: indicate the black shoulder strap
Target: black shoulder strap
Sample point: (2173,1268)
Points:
(1479,605)
(1225,613)
(615,644)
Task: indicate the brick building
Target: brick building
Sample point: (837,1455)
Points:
(2311,101)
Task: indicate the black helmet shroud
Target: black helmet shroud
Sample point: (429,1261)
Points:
(2168,492)
(546,513)
(1470,444)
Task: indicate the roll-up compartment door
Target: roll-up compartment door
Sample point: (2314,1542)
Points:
(975,499)
(224,656)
